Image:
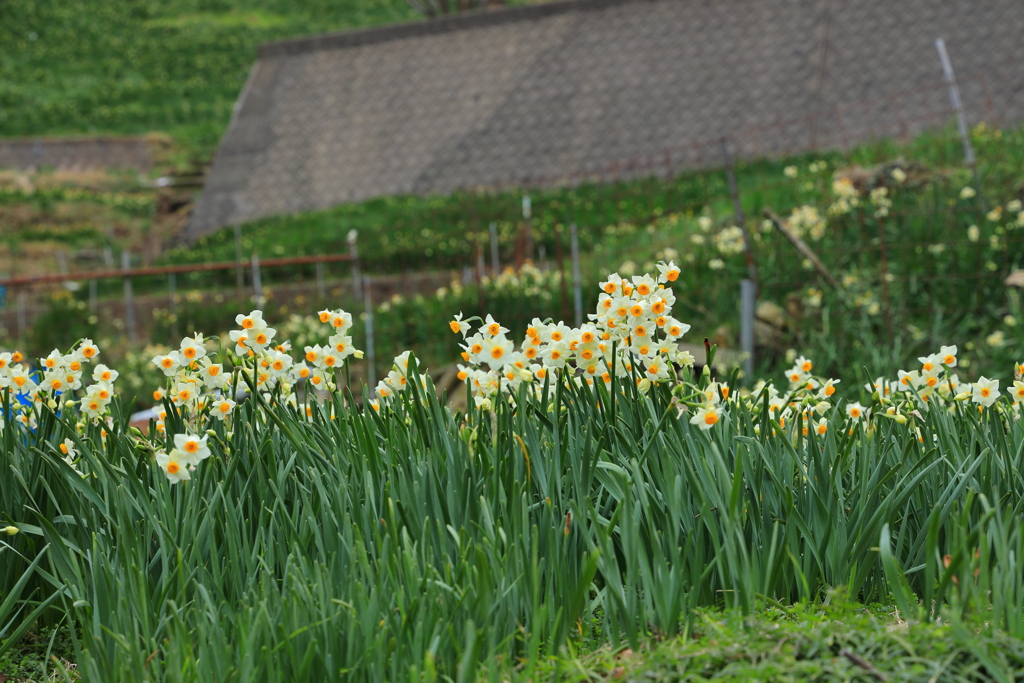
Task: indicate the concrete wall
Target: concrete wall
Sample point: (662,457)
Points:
(75,153)
(546,93)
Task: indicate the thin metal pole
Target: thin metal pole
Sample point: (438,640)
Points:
(257,281)
(577,292)
(129,299)
(371,356)
(954,96)
(321,289)
(738,211)
(561,270)
(528,217)
(353,252)
(495,262)
(748,294)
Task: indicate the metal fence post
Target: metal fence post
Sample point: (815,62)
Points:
(371,356)
(748,293)
(129,299)
(321,288)
(528,217)
(961,118)
(353,252)
(954,96)
(257,281)
(577,292)
(737,206)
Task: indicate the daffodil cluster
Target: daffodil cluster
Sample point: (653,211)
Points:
(807,402)
(321,361)
(396,382)
(194,381)
(632,334)
(61,377)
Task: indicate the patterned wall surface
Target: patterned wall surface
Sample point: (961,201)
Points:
(557,92)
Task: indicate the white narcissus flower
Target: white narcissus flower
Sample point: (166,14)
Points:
(855,411)
(221,408)
(985,391)
(192,349)
(459,326)
(169,363)
(87,350)
(68,448)
(496,351)
(174,465)
(668,272)
(104,374)
(192,447)
(214,377)
(252,321)
(706,417)
(555,355)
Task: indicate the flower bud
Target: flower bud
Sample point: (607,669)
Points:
(962,396)
(902,419)
(822,407)
(69,404)
(52,404)
(10,530)
(358,355)
(210,432)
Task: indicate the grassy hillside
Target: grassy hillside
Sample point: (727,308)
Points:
(133,66)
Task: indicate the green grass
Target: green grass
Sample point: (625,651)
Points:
(136,66)
(833,641)
(418,545)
